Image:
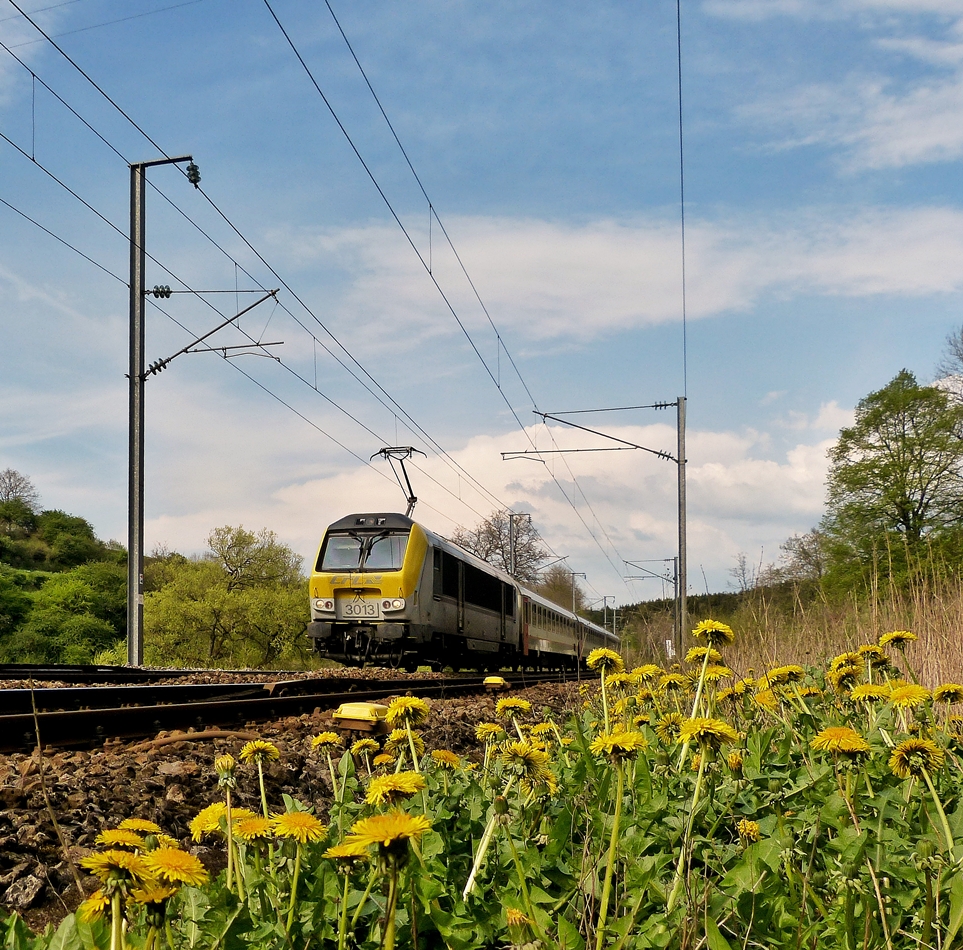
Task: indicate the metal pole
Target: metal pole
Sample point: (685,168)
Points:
(511,544)
(135,487)
(681,574)
(135,469)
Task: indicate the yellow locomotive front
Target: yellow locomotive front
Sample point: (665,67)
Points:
(365,588)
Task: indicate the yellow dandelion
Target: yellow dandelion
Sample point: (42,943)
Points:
(897,638)
(208,820)
(389,831)
(525,761)
(488,731)
(544,729)
(300,825)
(224,766)
(153,892)
(844,677)
(748,830)
(849,658)
(647,673)
(672,682)
(714,632)
(391,789)
(735,761)
(619,745)
(781,674)
(115,863)
(398,740)
(766,699)
(868,693)
(913,757)
(407,709)
(605,660)
(347,851)
(255,828)
(383,760)
(166,841)
(709,733)
(259,750)
(909,696)
(446,759)
(948,693)
(328,740)
(363,746)
(667,728)
(121,838)
(515,918)
(698,655)
(714,673)
(642,719)
(511,707)
(94,907)
(141,825)
(840,739)
(174,866)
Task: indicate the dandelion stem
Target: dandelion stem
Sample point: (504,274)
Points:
(605,703)
(230,841)
(610,863)
(939,807)
(116,921)
(260,778)
(364,898)
(388,943)
(343,917)
(411,743)
(294,889)
(683,854)
(695,705)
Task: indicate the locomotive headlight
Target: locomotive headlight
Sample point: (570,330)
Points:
(324,604)
(398,603)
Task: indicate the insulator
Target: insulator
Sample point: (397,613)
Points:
(193,174)
(161,290)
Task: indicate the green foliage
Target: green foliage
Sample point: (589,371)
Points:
(243,605)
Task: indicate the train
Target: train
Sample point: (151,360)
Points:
(387,591)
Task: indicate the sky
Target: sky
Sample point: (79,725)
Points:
(522,252)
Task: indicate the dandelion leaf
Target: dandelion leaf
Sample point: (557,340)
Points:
(956,911)
(568,936)
(714,937)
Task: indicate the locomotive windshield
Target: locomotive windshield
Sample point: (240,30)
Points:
(351,551)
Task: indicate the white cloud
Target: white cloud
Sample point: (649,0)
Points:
(550,280)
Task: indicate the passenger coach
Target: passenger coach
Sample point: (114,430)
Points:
(386,590)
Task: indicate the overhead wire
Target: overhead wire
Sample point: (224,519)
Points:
(433,443)
(427,267)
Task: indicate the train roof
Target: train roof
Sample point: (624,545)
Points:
(559,609)
(382,519)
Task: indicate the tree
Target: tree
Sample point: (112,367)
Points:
(491,541)
(558,584)
(895,480)
(17,487)
(804,556)
(251,560)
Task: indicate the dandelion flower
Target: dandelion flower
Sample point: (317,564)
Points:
(116,863)
(780,675)
(389,831)
(839,739)
(766,699)
(735,761)
(524,760)
(515,918)
(868,693)
(259,750)
(714,673)
(398,740)
(912,757)
(897,638)
(619,745)
(94,907)
(909,696)
(710,733)
(605,660)
(748,830)
(948,693)
(511,707)
(849,658)
(385,759)
(714,632)
(328,741)
(254,828)
(647,673)
(153,892)
(698,655)
(299,825)
(363,746)
(671,682)
(844,676)
(488,731)
(177,867)
(346,851)
(407,709)
(140,824)
(446,759)
(207,820)
(390,789)
(121,838)
(667,728)
(224,766)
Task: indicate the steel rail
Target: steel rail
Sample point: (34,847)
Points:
(88,727)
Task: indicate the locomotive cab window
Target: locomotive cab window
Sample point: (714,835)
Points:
(364,551)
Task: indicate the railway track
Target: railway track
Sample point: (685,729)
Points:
(86,716)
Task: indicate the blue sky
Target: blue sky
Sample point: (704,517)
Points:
(824,254)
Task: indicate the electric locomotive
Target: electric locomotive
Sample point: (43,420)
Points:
(385,590)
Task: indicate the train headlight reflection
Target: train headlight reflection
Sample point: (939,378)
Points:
(398,603)
(324,604)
